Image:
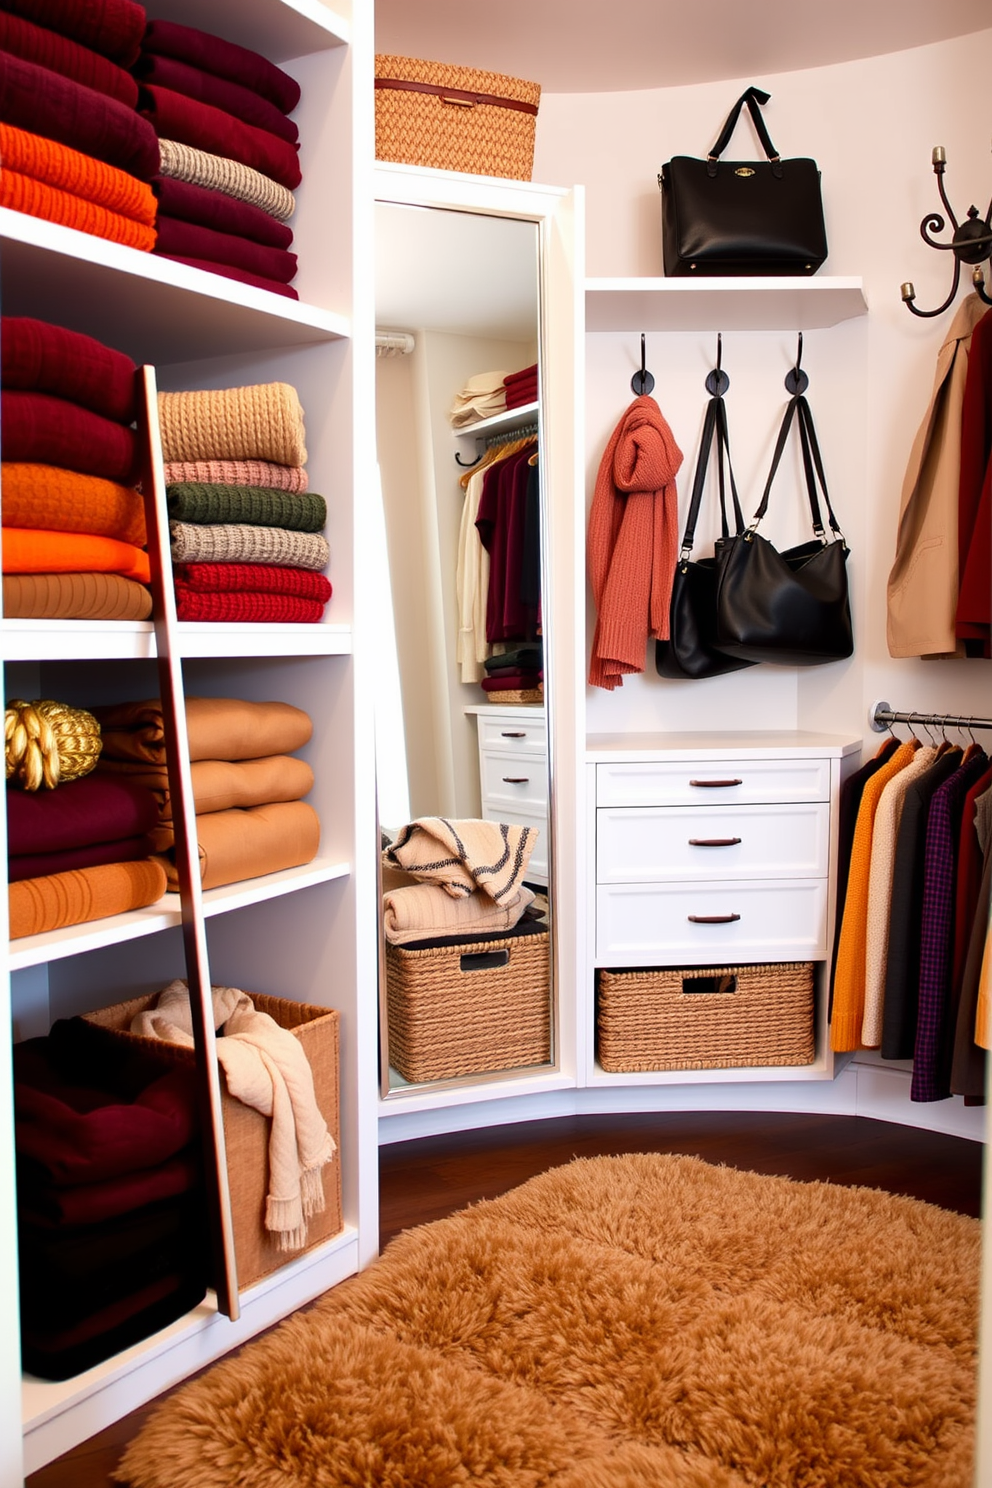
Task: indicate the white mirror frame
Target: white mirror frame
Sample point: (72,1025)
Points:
(558,214)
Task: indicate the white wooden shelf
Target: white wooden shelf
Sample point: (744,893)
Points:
(715,744)
(752,304)
(122,640)
(500,423)
(404,1098)
(165,914)
(742,1075)
(279,29)
(149,307)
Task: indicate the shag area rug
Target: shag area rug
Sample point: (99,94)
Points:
(615,1323)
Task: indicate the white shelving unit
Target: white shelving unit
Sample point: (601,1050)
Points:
(764,304)
(295,934)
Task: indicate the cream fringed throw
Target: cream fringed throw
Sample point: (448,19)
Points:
(238,542)
(217,173)
(463,856)
(260,422)
(265,1068)
(424,911)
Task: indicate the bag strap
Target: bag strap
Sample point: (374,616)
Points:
(714,424)
(812,468)
(753,98)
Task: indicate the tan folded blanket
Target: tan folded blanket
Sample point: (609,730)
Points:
(75,596)
(463,856)
(220,785)
(235,845)
(218,729)
(262,422)
(425,911)
(41,904)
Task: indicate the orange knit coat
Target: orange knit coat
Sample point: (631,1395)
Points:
(632,542)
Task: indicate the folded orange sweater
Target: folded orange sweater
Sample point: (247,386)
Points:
(38,905)
(58,166)
(34,199)
(45,496)
(28,550)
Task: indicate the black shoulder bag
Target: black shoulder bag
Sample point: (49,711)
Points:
(742,216)
(791,608)
(690,650)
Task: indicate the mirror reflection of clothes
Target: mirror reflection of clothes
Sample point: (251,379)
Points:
(504,529)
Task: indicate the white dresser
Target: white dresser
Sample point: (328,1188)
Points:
(513,772)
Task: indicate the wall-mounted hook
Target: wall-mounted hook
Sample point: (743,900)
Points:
(796,381)
(717,381)
(642,382)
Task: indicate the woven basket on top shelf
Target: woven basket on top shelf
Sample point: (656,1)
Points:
(246,1131)
(472,1004)
(454,118)
(705,1017)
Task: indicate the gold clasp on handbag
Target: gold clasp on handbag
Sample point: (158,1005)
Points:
(743,170)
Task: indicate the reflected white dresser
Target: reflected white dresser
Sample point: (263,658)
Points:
(513,772)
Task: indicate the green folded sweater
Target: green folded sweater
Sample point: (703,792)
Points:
(258,506)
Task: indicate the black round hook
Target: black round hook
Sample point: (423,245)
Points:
(717,381)
(796,381)
(642,382)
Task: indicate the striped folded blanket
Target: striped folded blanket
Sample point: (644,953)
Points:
(463,856)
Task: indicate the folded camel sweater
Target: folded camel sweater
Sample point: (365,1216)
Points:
(204,504)
(463,856)
(247,608)
(36,356)
(218,729)
(261,422)
(189,122)
(424,910)
(113,28)
(237,473)
(237,542)
(59,500)
(28,550)
(246,843)
(74,596)
(201,168)
(258,578)
(38,905)
(224,58)
(219,785)
(245,104)
(61,54)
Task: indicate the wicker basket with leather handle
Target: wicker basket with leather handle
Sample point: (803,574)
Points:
(454,118)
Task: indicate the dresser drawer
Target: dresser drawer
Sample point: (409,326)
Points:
(680,843)
(526,735)
(711,924)
(514,779)
(712,782)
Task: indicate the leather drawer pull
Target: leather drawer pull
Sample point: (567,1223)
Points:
(713,841)
(514,734)
(712,919)
(483,960)
(516,779)
(715,784)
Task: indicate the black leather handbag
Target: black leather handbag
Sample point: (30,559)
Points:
(791,608)
(742,216)
(690,650)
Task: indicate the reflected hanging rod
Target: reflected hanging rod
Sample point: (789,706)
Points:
(971,242)
(882,716)
(394,343)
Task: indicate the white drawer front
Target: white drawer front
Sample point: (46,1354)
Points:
(711,924)
(537,868)
(523,735)
(679,843)
(514,780)
(712,782)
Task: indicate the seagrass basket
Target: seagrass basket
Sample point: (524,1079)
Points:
(246,1131)
(469,1004)
(705,1017)
(517,695)
(454,118)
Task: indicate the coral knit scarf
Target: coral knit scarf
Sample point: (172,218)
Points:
(632,542)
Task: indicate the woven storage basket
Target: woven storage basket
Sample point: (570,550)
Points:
(736,1016)
(517,695)
(454,118)
(246,1131)
(475,1003)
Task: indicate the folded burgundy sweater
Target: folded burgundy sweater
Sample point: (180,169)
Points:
(175,117)
(224,58)
(97,808)
(193,82)
(230,271)
(41,1203)
(111,27)
(42,358)
(177,239)
(46,48)
(53,431)
(219,211)
(68,860)
(42,102)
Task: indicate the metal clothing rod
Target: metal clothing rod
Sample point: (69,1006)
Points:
(525,432)
(882,716)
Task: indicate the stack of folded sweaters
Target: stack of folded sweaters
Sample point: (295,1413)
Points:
(482,397)
(111,1216)
(73,524)
(247,786)
(246,533)
(229,154)
(74,149)
(515,676)
(454,878)
(521,387)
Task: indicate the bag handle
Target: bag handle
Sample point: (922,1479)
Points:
(714,424)
(812,469)
(753,98)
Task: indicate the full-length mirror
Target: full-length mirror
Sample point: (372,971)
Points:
(462,759)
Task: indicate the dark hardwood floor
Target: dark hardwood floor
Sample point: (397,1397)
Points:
(424,1180)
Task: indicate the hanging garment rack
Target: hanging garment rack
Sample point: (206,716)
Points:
(527,431)
(882,716)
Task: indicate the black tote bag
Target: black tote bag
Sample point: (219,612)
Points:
(690,650)
(790,608)
(742,216)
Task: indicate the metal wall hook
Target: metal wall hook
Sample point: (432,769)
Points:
(717,381)
(796,381)
(642,382)
(971,242)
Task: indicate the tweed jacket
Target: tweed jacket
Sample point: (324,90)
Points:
(923,582)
